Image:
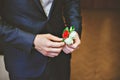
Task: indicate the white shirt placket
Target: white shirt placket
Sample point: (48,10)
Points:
(46,5)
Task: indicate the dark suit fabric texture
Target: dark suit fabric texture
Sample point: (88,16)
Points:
(22,20)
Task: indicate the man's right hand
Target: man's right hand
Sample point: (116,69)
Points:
(48,44)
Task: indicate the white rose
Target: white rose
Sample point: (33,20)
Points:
(69,41)
(72,34)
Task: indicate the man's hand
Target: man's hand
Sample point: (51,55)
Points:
(49,45)
(70,48)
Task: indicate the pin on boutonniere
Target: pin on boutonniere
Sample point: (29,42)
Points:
(69,35)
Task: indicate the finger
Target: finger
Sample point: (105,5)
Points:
(50,51)
(74,46)
(54,38)
(66,51)
(49,54)
(52,54)
(69,49)
(54,50)
(76,43)
(57,44)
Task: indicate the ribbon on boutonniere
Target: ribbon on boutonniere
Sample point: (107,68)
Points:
(68,35)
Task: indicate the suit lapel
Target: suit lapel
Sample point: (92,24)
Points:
(40,7)
(52,8)
(42,10)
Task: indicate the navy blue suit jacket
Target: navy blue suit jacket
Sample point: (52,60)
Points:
(22,20)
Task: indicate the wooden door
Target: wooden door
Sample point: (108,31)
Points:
(100,4)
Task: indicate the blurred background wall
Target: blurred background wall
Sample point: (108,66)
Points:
(98,57)
(103,4)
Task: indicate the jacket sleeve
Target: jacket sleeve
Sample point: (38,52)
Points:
(72,14)
(15,37)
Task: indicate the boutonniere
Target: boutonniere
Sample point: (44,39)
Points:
(69,35)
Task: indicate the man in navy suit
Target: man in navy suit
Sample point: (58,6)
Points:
(31,32)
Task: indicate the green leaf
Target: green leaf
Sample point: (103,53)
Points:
(72,28)
(66,29)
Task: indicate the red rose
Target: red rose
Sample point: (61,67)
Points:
(65,34)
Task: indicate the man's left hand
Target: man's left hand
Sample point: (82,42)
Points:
(70,48)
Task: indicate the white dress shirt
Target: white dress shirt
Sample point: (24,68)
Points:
(46,5)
